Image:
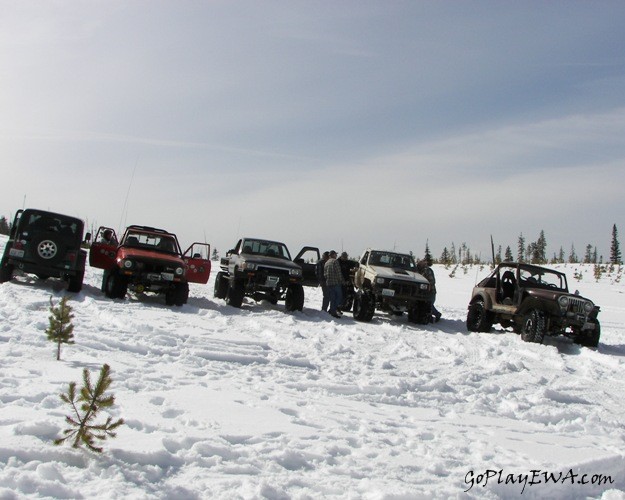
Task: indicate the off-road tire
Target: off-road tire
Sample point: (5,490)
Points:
(589,338)
(534,326)
(221,286)
(294,299)
(478,318)
(116,286)
(364,308)
(6,272)
(74,284)
(421,313)
(177,295)
(47,249)
(235,294)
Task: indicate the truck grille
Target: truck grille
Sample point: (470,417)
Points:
(577,306)
(272,271)
(405,289)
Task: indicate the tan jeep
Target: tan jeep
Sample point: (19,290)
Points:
(534,301)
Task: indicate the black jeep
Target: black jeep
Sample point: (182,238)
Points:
(47,245)
(534,301)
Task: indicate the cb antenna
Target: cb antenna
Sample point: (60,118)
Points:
(125,208)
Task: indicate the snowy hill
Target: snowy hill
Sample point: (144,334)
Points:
(258,403)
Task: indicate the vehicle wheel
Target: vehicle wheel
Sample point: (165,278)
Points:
(234,296)
(294,300)
(46,249)
(421,313)
(589,338)
(478,318)
(221,286)
(177,295)
(364,307)
(533,326)
(6,272)
(116,286)
(74,284)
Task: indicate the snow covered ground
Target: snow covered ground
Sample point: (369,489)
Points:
(258,403)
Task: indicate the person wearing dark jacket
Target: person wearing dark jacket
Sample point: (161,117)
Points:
(424,267)
(322,280)
(334,282)
(347,289)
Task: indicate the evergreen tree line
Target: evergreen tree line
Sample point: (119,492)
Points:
(532,252)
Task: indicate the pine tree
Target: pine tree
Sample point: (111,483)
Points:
(572,255)
(428,255)
(215,254)
(561,256)
(60,329)
(445,258)
(615,251)
(521,248)
(588,254)
(498,255)
(91,400)
(540,249)
(508,255)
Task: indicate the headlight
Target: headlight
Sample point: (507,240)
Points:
(563,300)
(379,281)
(588,307)
(179,271)
(295,272)
(248,266)
(127,264)
(424,286)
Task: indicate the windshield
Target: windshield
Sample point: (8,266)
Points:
(47,222)
(394,260)
(151,241)
(266,248)
(542,277)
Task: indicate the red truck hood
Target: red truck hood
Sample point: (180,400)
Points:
(139,254)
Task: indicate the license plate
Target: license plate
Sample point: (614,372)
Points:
(14,252)
(168,276)
(272,281)
(387,292)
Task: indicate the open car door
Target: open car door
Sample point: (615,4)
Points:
(197,259)
(307,259)
(103,250)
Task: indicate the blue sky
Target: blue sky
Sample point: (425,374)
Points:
(343,124)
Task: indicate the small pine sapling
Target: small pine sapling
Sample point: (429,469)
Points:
(60,329)
(86,405)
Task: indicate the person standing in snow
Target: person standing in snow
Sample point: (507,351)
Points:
(424,267)
(322,280)
(347,288)
(334,283)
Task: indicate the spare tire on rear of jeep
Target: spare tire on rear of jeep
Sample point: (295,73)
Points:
(47,249)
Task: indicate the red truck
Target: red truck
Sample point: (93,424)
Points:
(148,260)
